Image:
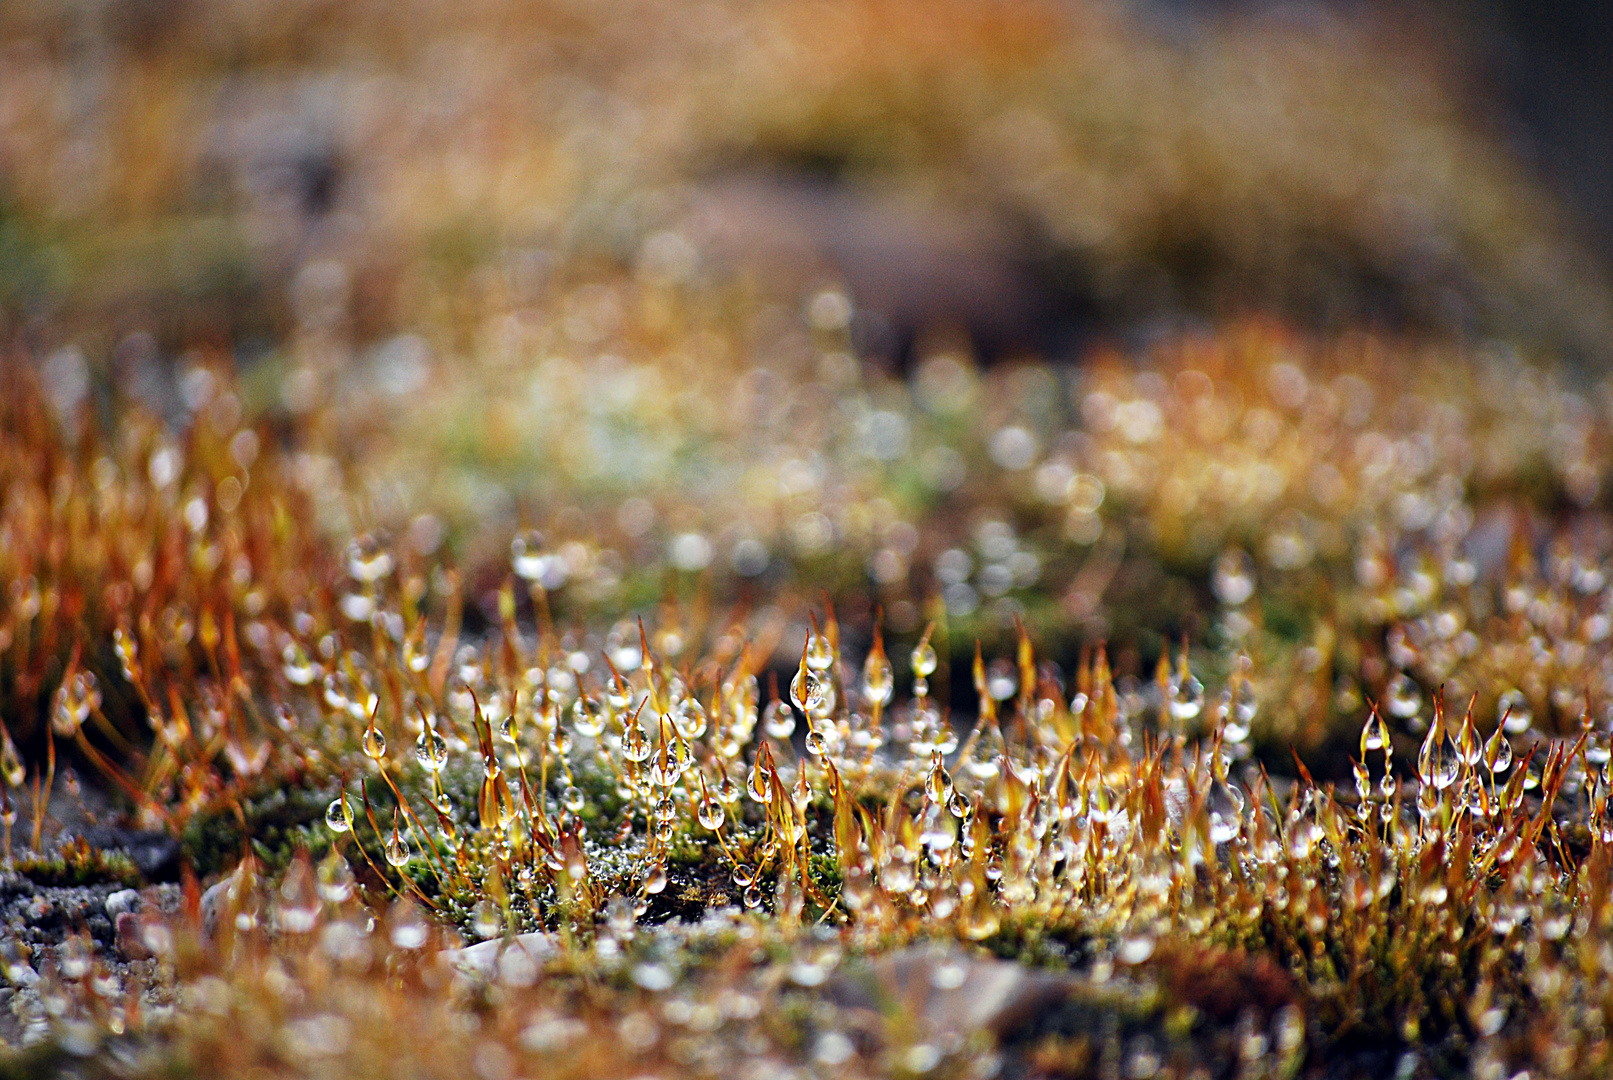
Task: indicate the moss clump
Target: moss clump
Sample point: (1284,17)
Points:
(77,863)
(273,822)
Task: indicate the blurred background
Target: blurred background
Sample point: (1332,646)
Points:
(1032,175)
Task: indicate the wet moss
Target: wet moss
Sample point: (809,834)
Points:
(77,862)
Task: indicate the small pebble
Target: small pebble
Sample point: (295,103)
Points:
(127,939)
(122,901)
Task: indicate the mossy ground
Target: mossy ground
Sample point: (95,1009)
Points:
(563,637)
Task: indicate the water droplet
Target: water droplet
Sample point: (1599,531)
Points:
(1468,748)
(587,717)
(299,670)
(432,750)
(334,879)
(820,655)
(1437,762)
(806,689)
(407,929)
(1402,696)
(526,556)
(397,850)
(689,718)
(938,784)
(374,743)
(1374,733)
(1136,949)
(485,920)
(1225,803)
(1233,580)
(778,720)
(339,815)
(1302,837)
(1513,712)
(368,559)
(711,814)
(636,744)
(1186,694)
(879,682)
(1002,679)
(759,785)
(1498,751)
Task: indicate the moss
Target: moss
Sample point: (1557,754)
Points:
(79,863)
(275,820)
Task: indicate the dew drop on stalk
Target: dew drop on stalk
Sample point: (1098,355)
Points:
(753,897)
(879,682)
(1235,719)
(958,805)
(485,920)
(924,660)
(1498,751)
(711,814)
(12,770)
(1245,703)
(806,689)
(368,559)
(298,668)
(587,717)
(431,749)
(1468,748)
(618,695)
(778,720)
(689,718)
(397,849)
(1437,762)
(655,880)
(526,555)
(1302,837)
(1002,680)
(407,929)
(374,743)
(1225,803)
(758,785)
(1513,712)
(938,784)
(635,743)
(1374,733)
(1531,775)
(416,658)
(334,879)
(1402,696)
(339,815)
(1186,694)
(820,654)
